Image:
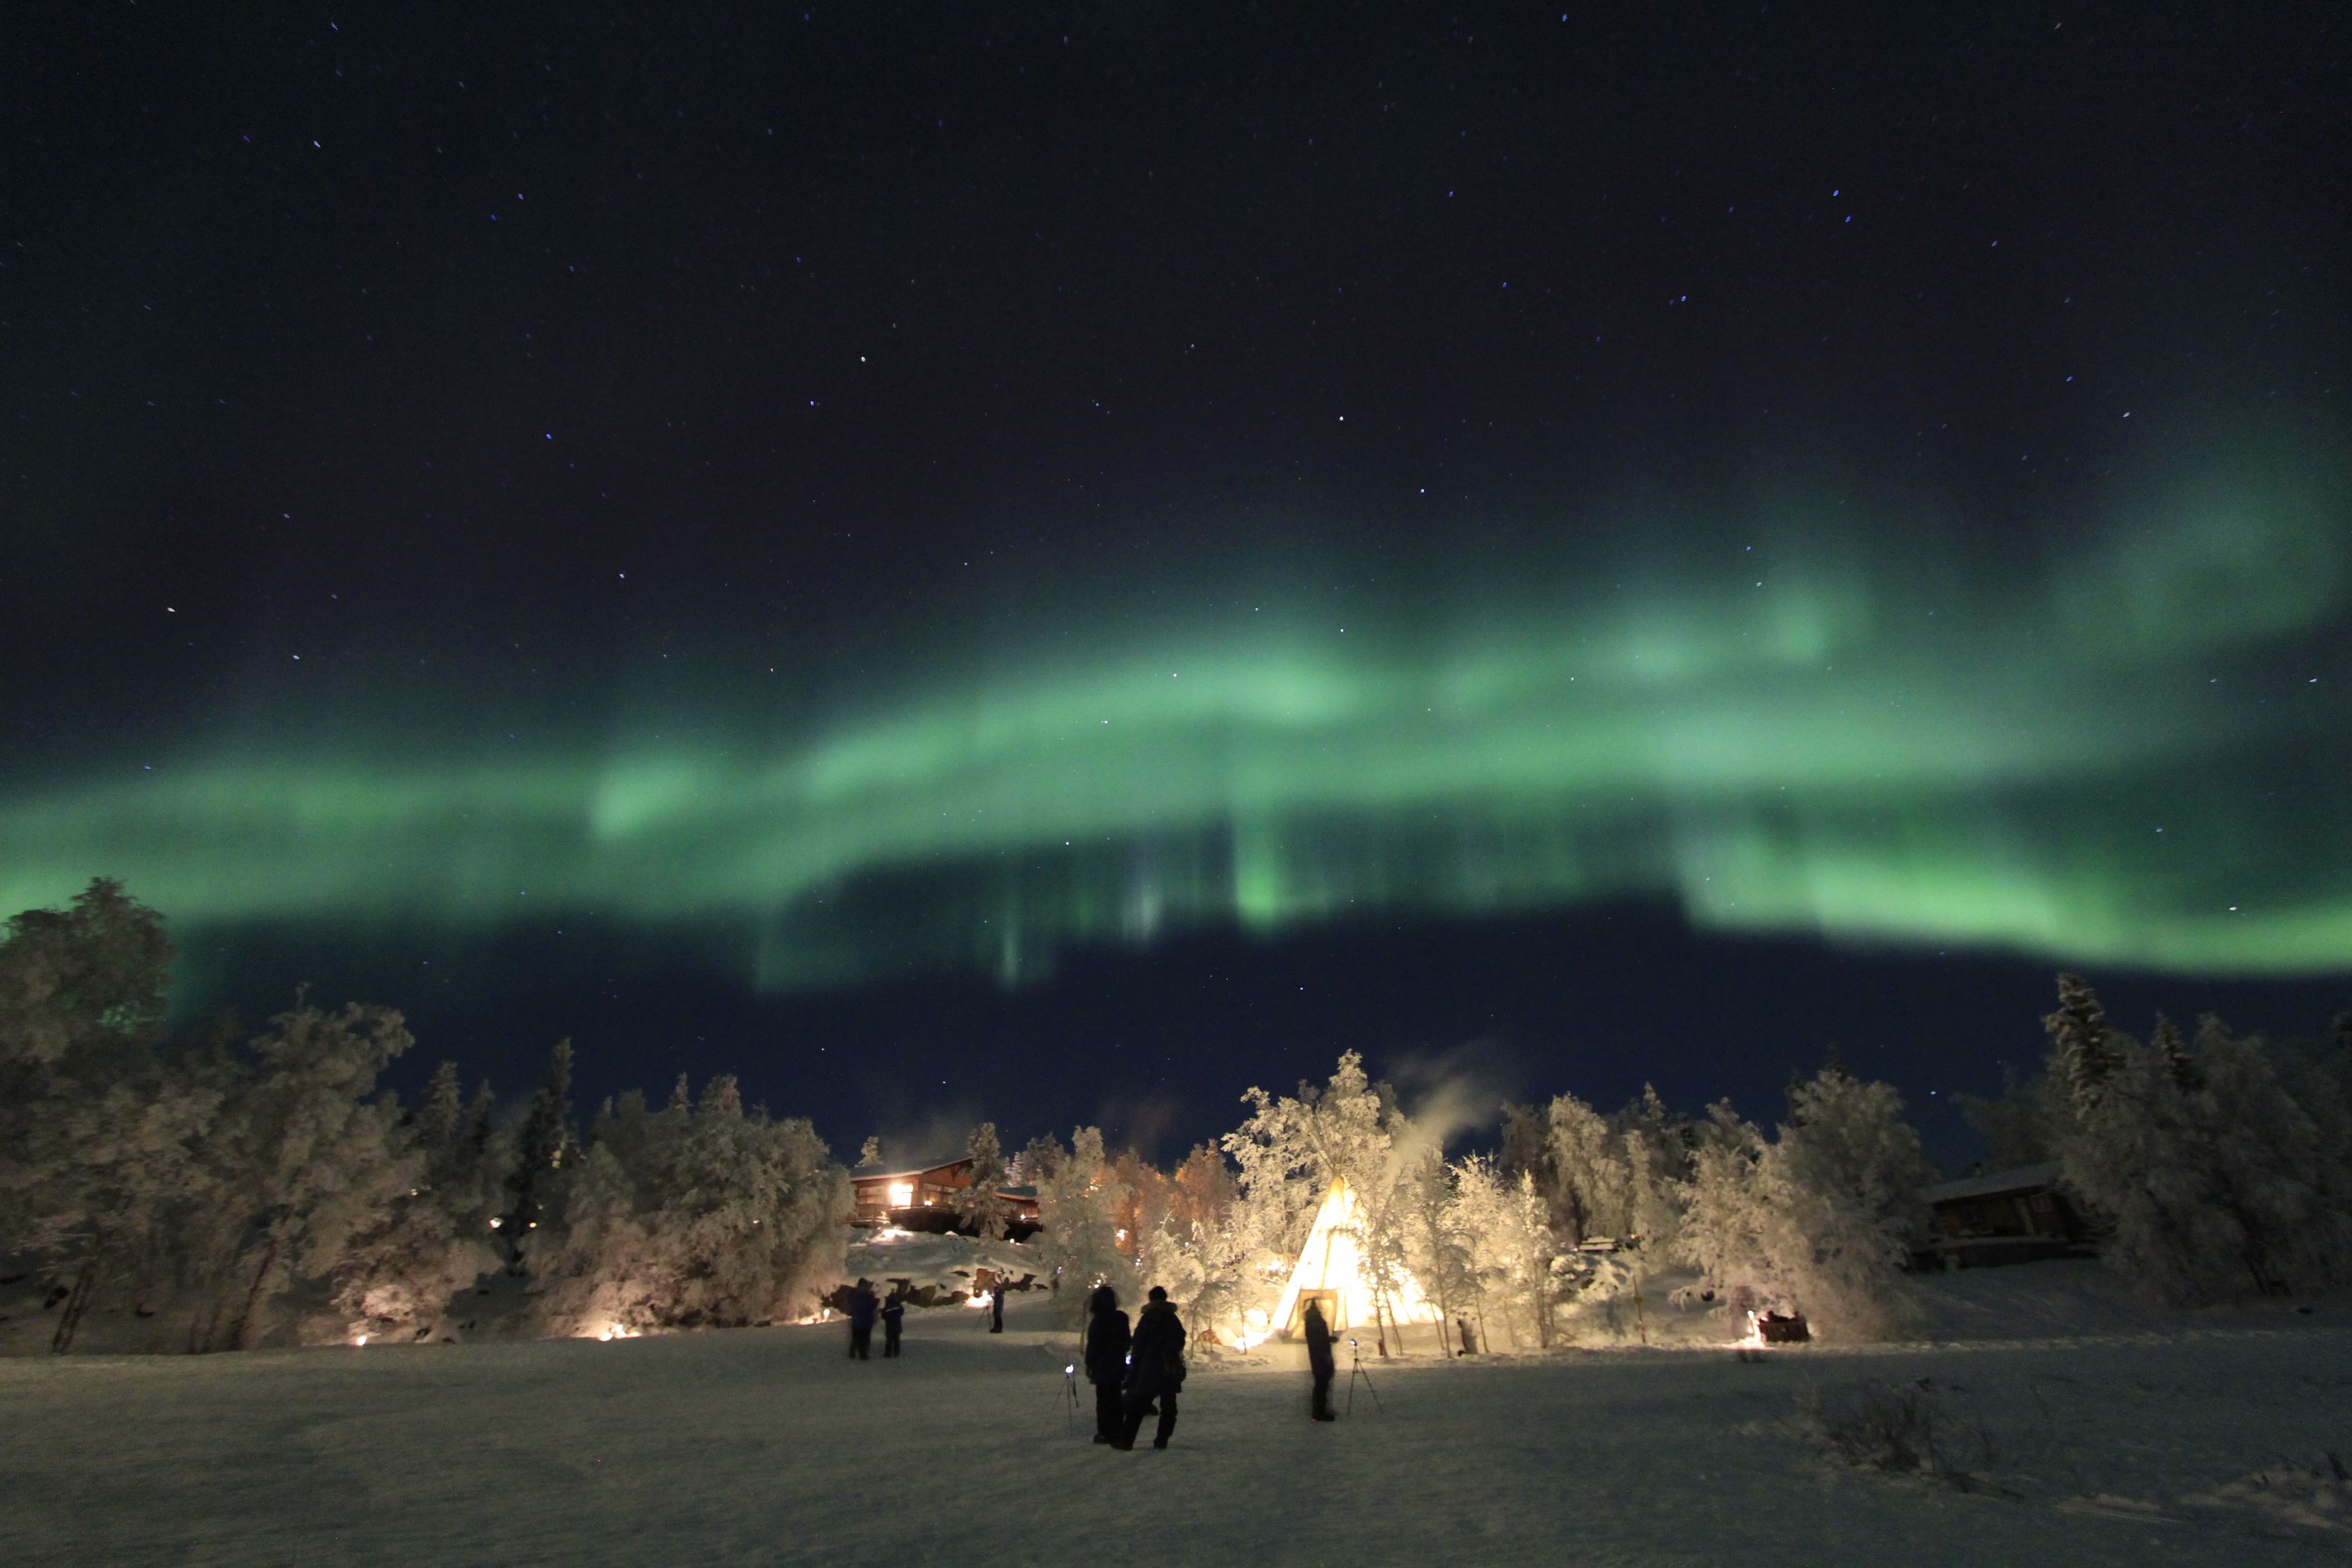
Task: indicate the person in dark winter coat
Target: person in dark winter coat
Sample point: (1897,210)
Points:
(1155,1369)
(862,1308)
(893,1319)
(996,1308)
(1319,1361)
(1106,1356)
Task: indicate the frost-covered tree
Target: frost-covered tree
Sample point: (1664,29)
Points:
(304,1175)
(1436,1251)
(2220,1167)
(979,1205)
(1077,1205)
(1288,1152)
(704,1213)
(1855,1185)
(1505,1224)
(869,1154)
(95,1122)
(1037,1161)
(437,1239)
(1820,1219)
(1592,1180)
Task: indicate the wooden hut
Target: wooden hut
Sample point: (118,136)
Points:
(2017,1215)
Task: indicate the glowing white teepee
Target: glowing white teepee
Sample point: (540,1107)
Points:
(1331,1266)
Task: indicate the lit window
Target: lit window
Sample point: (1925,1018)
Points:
(902,1195)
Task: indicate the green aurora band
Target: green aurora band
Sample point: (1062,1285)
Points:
(2133,754)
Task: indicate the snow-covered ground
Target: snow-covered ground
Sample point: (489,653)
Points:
(2126,1438)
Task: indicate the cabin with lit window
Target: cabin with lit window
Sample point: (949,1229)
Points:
(2018,1215)
(924,1199)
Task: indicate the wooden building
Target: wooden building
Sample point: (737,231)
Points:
(2018,1215)
(924,1199)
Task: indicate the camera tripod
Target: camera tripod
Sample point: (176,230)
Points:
(1356,1372)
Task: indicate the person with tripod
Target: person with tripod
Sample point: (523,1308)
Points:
(1319,1361)
(1155,1369)
(1105,1357)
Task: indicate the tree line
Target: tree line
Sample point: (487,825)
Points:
(2208,1167)
(229,1191)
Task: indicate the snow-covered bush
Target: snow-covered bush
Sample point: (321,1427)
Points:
(701,1213)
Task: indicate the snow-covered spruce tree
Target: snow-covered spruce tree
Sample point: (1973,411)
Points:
(2219,1174)
(95,1121)
(543,1145)
(1657,1145)
(1077,1203)
(978,1206)
(704,1214)
(305,1178)
(1513,1254)
(437,1240)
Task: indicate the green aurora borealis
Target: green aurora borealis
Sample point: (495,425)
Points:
(2129,751)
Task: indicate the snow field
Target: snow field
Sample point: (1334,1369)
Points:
(768,1447)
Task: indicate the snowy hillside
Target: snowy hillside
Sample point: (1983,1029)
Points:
(2199,1439)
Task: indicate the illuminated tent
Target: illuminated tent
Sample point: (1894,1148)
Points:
(1331,1270)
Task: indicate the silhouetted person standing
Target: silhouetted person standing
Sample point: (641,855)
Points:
(996,1308)
(1155,1369)
(1106,1356)
(894,1317)
(862,1308)
(1319,1361)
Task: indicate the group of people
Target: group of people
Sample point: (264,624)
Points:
(865,1306)
(1134,1372)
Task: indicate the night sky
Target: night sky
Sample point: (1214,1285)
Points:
(1053,563)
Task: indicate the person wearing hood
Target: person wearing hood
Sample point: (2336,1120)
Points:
(1105,1353)
(894,1320)
(863,1305)
(1319,1361)
(1155,1369)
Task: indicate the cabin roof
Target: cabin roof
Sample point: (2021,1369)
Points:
(1994,1183)
(910,1172)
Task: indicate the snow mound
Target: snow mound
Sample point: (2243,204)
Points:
(2315,1499)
